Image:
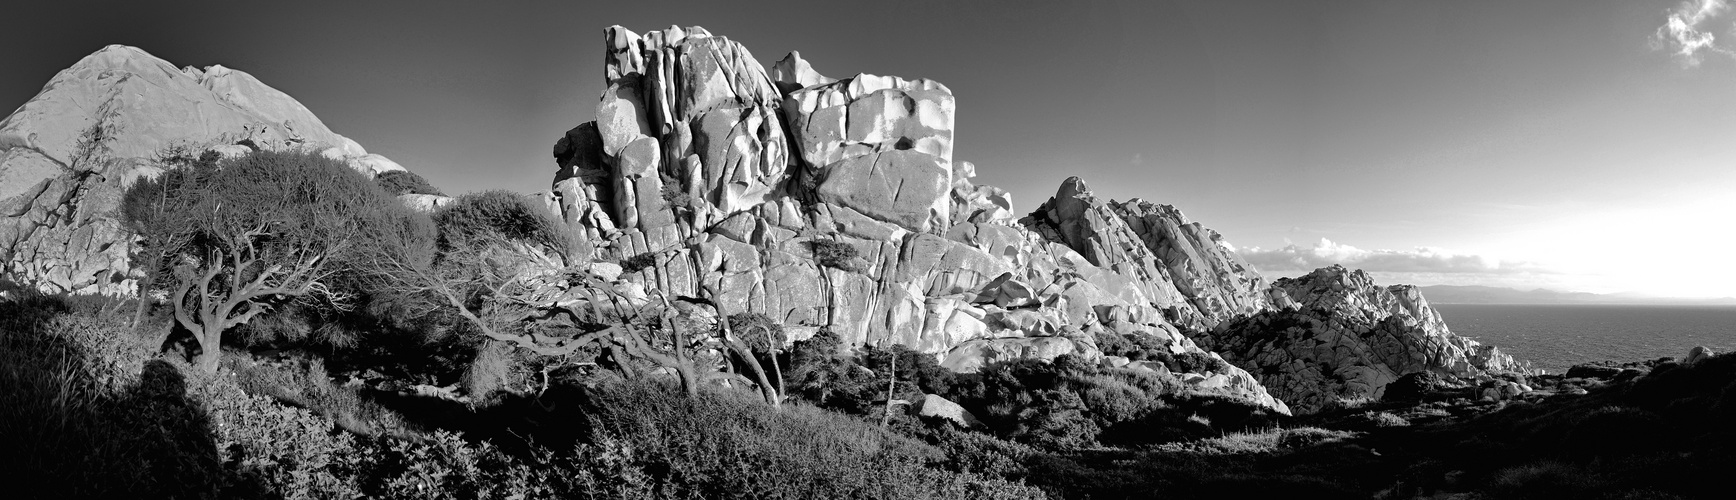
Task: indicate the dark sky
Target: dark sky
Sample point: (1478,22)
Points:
(1528,143)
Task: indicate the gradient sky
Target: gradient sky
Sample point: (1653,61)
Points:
(1570,144)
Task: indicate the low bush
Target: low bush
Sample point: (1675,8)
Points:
(496,370)
(834,254)
(1198,362)
(1545,479)
(402,182)
(639,262)
(474,217)
(825,375)
(305,384)
(85,411)
(1383,419)
(1262,441)
(728,445)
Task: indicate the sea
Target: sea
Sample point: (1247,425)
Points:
(1555,337)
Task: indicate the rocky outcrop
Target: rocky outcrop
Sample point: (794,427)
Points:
(68,154)
(880,145)
(1345,339)
(1096,231)
(693,175)
(1203,267)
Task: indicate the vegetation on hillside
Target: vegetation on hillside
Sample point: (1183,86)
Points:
(302,335)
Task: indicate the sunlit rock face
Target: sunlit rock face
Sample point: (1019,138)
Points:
(838,204)
(735,182)
(57,193)
(1344,339)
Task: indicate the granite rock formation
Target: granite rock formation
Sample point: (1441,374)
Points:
(822,203)
(688,166)
(837,204)
(68,154)
(1345,339)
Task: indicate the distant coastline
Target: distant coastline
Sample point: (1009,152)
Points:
(1557,336)
(1460,294)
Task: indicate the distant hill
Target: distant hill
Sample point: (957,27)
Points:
(1473,294)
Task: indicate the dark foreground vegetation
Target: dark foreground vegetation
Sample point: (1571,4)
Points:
(306,345)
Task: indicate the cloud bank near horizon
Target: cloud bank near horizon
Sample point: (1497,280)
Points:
(1294,259)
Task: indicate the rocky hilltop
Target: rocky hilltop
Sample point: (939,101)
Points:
(67,154)
(1347,338)
(721,179)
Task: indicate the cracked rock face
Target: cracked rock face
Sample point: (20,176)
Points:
(859,220)
(939,263)
(57,230)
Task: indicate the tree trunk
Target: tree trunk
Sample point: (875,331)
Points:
(145,288)
(777,370)
(210,348)
(766,390)
(891,384)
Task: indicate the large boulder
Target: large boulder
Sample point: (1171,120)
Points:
(939,407)
(900,187)
(883,126)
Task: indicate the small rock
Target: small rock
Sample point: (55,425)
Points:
(936,406)
(1697,354)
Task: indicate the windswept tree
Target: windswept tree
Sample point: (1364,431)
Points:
(245,234)
(504,269)
(491,264)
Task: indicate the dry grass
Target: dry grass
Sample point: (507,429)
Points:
(1255,442)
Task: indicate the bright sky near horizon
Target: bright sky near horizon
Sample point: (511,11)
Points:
(1568,144)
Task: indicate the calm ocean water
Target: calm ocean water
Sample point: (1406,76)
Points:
(1555,337)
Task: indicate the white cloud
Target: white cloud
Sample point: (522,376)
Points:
(1686,33)
(1295,259)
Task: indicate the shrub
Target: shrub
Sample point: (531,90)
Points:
(86,412)
(1545,479)
(675,198)
(1136,347)
(273,449)
(1198,362)
(266,227)
(1618,430)
(971,451)
(1302,437)
(639,262)
(306,385)
(1384,419)
(402,182)
(474,218)
(495,368)
(1113,401)
(834,254)
(726,445)
(759,331)
(1263,441)
(1056,420)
